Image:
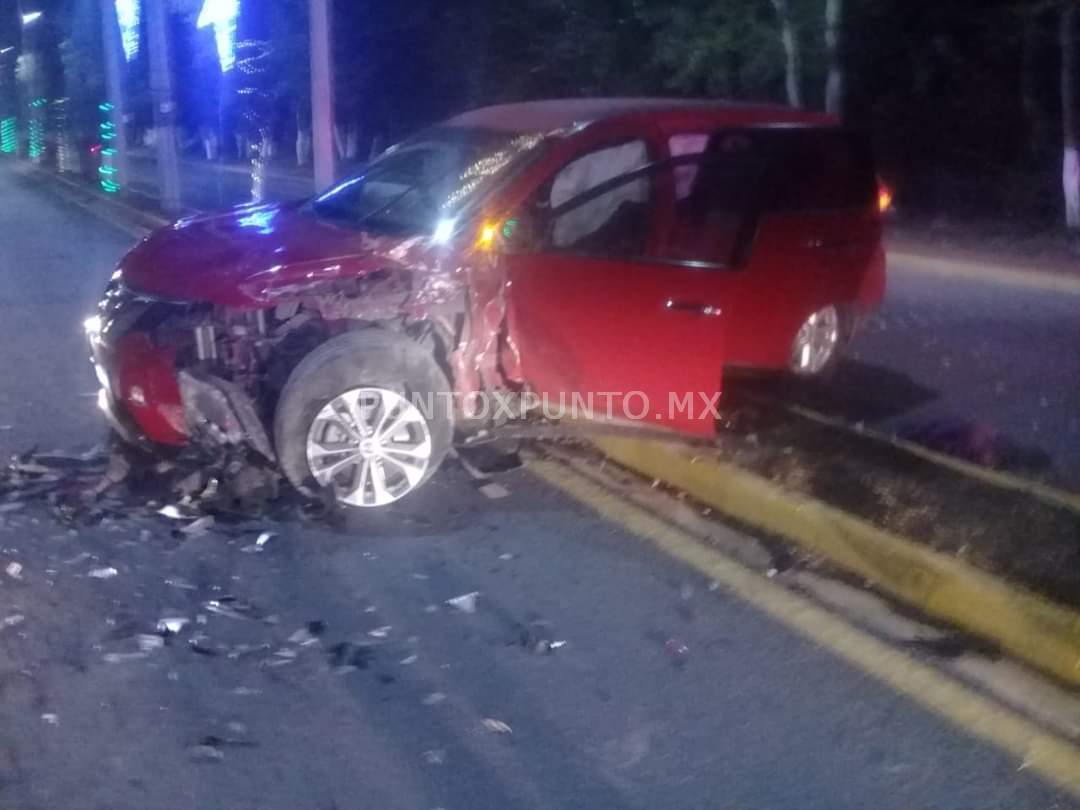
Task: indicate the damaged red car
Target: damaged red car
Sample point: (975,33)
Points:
(621,251)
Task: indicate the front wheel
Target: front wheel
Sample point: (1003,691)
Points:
(366,416)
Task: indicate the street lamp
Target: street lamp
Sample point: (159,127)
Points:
(31,17)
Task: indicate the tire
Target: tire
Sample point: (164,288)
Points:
(354,368)
(823,362)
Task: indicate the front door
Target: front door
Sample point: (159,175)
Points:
(599,320)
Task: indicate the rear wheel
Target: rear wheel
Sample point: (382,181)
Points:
(365,416)
(819,342)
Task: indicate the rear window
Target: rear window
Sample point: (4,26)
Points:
(724,181)
(779,170)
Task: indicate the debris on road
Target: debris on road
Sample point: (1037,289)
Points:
(466,603)
(497,726)
(435,756)
(537,637)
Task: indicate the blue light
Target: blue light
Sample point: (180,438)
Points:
(222,15)
(128,13)
(261,220)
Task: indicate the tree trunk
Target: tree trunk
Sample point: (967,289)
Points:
(790,41)
(1070,169)
(834,81)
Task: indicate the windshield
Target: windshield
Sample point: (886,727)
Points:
(433,178)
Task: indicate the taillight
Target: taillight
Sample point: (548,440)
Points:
(884,197)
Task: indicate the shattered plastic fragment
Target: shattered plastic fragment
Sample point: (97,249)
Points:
(494,491)
(466,603)
(435,756)
(260,544)
(433,699)
(380,632)
(206,753)
(107,572)
(14,570)
(51,719)
(181,584)
(13,620)
(497,726)
(409,659)
(172,625)
(200,526)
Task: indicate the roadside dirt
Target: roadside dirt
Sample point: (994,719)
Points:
(1002,531)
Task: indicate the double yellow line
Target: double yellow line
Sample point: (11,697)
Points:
(1033,748)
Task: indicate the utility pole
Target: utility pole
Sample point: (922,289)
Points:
(114,81)
(322,94)
(161,90)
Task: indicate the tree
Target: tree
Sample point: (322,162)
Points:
(834,82)
(1070,115)
(792,52)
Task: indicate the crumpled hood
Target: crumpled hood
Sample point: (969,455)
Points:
(253,256)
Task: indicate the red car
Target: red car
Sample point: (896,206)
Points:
(614,255)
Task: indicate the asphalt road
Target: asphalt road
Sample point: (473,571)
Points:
(996,363)
(751,715)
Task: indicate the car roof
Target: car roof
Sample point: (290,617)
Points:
(556,114)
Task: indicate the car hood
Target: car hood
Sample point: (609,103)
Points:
(254,256)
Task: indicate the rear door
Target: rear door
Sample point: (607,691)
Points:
(600,321)
(788,211)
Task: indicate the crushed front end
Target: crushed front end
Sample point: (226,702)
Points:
(174,371)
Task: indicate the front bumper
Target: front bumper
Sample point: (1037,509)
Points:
(140,395)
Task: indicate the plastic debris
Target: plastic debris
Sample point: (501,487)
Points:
(14,570)
(206,753)
(435,756)
(536,637)
(260,543)
(181,584)
(13,620)
(306,636)
(119,658)
(107,572)
(50,719)
(497,726)
(172,625)
(494,491)
(409,659)
(433,699)
(466,603)
(200,526)
(380,632)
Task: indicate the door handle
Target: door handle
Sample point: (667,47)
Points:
(695,307)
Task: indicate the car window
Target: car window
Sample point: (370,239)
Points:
(599,204)
(437,176)
(717,180)
(725,180)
